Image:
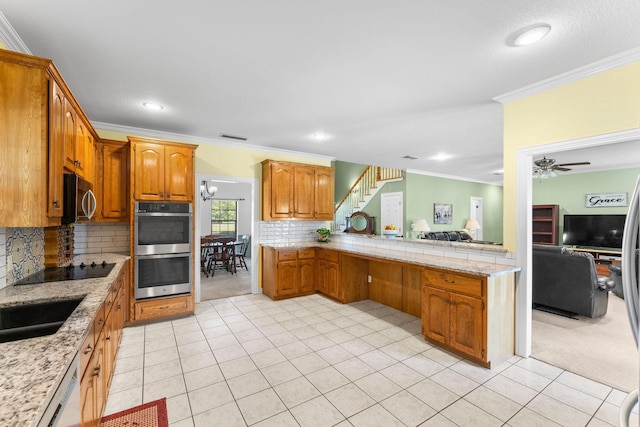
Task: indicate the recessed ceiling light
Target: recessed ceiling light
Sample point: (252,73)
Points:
(530,35)
(153,106)
(441,157)
(320,136)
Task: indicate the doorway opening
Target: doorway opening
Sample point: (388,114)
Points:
(232,213)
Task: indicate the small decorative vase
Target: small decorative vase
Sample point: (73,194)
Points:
(323,237)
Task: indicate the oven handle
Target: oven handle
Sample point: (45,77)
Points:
(171,255)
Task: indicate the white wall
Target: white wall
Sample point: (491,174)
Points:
(228,191)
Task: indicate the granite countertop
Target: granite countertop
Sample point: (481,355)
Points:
(387,252)
(31,369)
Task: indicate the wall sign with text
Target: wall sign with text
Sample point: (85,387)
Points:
(606,200)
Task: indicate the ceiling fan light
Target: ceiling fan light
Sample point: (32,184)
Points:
(530,35)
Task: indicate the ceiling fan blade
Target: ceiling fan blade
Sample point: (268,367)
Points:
(574,164)
(558,168)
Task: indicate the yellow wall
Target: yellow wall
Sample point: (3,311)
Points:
(230,161)
(604,103)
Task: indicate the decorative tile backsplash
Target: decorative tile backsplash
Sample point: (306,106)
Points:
(101,238)
(25,249)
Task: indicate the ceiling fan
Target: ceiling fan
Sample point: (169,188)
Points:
(545,168)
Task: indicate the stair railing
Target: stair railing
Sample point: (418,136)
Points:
(366,182)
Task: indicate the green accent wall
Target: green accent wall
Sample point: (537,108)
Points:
(569,191)
(420,194)
(345,176)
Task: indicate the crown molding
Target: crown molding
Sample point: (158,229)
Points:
(10,38)
(606,64)
(129,130)
(457,178)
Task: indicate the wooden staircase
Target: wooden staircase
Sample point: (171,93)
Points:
(363,190)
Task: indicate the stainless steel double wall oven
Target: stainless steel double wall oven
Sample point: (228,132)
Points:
(162,249)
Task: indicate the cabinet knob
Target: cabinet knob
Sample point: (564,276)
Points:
(88,350)
(162,194)
(56,204)
(96,371)
(446,301)
(168,195)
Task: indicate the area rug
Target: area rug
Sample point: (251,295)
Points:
(151,414)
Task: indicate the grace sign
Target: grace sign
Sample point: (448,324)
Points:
(606,199)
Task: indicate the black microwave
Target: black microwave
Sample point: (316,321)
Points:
(79,200)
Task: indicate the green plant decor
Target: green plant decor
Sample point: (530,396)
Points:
(323,234)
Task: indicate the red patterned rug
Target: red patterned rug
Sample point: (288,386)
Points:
(152,414)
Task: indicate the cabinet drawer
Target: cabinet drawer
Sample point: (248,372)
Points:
(163,307)
(287,255)
(329,255)
(306,253)
(454,282)
(99,321)
(87,350)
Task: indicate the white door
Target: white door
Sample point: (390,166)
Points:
(475,212)
(391,210)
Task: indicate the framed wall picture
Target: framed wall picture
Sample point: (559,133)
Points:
(442,213)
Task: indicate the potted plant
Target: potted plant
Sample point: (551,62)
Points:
(323,234)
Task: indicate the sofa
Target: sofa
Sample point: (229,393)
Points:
(451,236)
(566,281)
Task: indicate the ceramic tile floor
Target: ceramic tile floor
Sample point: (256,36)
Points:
(310,361)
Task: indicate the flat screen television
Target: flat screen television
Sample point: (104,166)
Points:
(598,231)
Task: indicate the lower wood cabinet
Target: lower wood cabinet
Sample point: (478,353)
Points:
(288,272)
(471,316)
(99,351)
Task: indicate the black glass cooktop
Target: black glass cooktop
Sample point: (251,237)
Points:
(70,272)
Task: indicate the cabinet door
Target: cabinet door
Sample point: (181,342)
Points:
(56,150)
(323,193)
(179,173)
(70,127)
(333,280)
(90,159)
(149,171)
(88,399)
(287,278)
(303,190)
(322,279)
(113,181)
(466,324)
(435,314)
(80,149)
(281,191)
(307,275)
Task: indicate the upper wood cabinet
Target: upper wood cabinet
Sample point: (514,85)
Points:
(162,170)
(112,181)
(34,102)
(296,191)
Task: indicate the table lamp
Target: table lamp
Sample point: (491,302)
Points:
(472,225)
(421,226)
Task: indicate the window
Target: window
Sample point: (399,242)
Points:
(224,218)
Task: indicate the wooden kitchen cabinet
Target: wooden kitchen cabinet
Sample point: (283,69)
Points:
(471,316)
(296,191)
(162,170)
(288,272)
(99,351)
(112,181)
(329,273)
(34,101)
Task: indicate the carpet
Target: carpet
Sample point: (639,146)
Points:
(601,349)
(224,284)
(152,414)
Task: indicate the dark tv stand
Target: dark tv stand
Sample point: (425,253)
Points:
(603,257)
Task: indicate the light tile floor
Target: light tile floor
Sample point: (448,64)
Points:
(310,361)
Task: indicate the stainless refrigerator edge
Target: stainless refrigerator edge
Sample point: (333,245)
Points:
(630,281)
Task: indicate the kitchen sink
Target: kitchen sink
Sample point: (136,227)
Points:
(34,320)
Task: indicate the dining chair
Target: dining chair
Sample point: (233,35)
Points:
(205,253)
(241,253)
(222,256)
